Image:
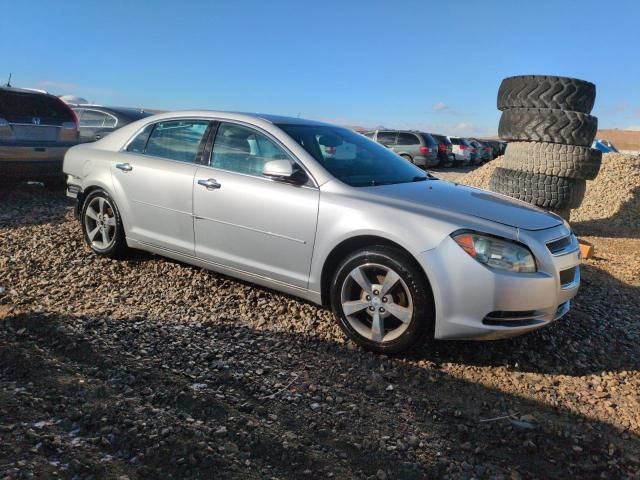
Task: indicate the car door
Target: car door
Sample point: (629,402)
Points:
(247,222)
(153,178)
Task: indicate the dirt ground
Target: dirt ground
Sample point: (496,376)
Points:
(148,368)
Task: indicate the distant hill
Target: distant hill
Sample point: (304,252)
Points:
(622,139)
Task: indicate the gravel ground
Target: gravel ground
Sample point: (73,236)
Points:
(149,368)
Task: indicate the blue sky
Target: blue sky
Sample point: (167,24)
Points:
(407,64)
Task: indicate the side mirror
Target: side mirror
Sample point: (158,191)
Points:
(284,171)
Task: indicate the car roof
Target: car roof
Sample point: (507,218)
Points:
(240,116)
(33,91)
(124,111)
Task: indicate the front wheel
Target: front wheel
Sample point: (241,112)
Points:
(102,225)
(382,300)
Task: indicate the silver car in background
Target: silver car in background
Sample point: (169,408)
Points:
(325,214)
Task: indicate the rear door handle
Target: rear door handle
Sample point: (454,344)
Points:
(125,167)
(209,184)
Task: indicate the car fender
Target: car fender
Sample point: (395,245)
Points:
(341,219)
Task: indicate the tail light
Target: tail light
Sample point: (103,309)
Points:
(74,118)
(424,150)
(442,147)
(463,146)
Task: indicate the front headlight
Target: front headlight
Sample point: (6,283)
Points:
(496,253)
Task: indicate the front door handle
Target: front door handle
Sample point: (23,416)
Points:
(209,184)
(125,167)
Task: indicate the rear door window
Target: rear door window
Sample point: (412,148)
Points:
(407,139)
(176,139)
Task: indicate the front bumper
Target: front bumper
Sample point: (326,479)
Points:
(475,302)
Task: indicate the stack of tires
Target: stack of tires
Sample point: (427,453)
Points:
(547,123)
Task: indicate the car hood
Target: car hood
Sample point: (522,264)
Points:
(471,201)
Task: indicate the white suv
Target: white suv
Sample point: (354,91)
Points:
(461,150)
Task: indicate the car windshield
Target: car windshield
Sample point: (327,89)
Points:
(353,158)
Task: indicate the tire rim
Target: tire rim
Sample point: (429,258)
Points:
(100,223)
(376,302)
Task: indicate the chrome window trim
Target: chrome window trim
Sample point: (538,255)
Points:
(137,132)
(292,156)
(84,109)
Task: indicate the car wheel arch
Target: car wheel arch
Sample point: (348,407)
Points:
(350,245)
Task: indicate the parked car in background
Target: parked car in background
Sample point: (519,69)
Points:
(605,146)
(445,150)
(417,147)
(97,121)
(331,217)
(495,147)
(483,150)
(461,149)
(36,129)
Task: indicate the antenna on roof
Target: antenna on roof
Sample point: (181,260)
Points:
(9,81)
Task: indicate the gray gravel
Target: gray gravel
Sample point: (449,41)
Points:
(148,368)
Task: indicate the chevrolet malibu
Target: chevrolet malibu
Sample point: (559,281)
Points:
(325,214)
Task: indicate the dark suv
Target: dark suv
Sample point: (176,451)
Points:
(36,129)
(445,150)
(418,147)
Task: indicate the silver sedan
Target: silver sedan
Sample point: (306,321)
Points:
(324,213)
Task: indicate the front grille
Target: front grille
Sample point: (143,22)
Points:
(567,276)
(521,318)
(558,245)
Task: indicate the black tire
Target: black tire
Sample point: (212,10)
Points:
(568,161)
(541,91)
(407,158)
(117,248)
(420,327)
(548,125)
(544,191)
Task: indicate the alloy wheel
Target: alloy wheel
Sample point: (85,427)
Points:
(376,302)
(100,223)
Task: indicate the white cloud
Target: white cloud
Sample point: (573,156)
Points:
(439,107)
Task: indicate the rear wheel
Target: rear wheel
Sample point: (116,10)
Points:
(407,158)
(102,225)
(382,300)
